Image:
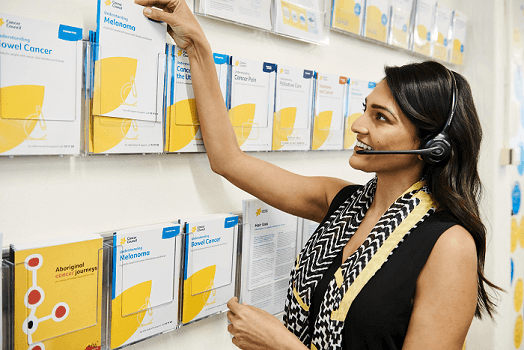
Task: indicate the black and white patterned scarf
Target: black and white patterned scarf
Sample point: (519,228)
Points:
(408,212)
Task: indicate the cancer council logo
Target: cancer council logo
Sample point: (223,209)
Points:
(259,211)
(108,2)
(1,22)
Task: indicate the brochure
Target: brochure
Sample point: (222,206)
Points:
(401,23)
(252,103)
(58,289)
(293,109)
(40,87)
(255,14)
(269,250)
(358,91)
(424,19)
(306,230)
(223,66)
(442,33)
(301,19)
(460,23)
(183,134)
(209,265)
(146,272)
(348,15)
(330,110)
(377,18)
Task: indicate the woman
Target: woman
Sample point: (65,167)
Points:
(395,264)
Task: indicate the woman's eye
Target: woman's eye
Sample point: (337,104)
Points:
(380,116)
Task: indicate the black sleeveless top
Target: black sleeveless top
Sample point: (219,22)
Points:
(379,316)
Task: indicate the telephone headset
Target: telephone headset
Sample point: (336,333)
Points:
(438,148)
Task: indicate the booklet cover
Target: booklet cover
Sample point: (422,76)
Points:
(182,120)
(255,14)
(252,103)
(301,19)
(424,19)
(293,109)
(442,32)
(377,18)
(348,15)
(146,272)
(330,110)
(401,20)
(460,23)
(58,289)
(40,87)
(269,250)
(209,265)
(358,91)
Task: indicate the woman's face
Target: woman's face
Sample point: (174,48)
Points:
(383,127)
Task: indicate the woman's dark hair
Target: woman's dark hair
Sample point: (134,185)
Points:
(423,91)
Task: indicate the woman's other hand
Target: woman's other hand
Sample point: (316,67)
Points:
(256,329)
(182,24)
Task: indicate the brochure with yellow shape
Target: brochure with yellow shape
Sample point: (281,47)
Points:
(301,19)
(40,87)
(209,265)
(146,272)
(58,293)
(182,125)
(128,88)
(460,23)
(252,103)
(424,19)
(376,19)
(358,91)
(269,250)
(441,38)
(330,110)
(293,109)
(401,23)
(348,15)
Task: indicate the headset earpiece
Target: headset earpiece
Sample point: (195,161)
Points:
(437,149)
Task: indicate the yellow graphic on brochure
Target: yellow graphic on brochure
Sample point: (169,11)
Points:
(514,235)
(57,302)
(457,56)
(109,132)
(182,125)
(345,17)
(421,44)
(283,124)
(440,50)
(198,292)
(321,128)
(294,16)
(517,333)
(20,112)
(241,118)
(349,136)
(136,300)
(400,37)
(375,26)
(114,82)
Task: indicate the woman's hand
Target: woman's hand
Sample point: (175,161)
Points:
(182,25)
(254,329)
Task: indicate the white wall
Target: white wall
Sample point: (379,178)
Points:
(44,197)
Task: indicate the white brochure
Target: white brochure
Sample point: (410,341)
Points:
(269,250)
(209,265)
(460,23)
(252,103)
(129,71)
(146,272)
(330,110)
(377,18)
(293,109)
(348,15)
(301,19)
(441,36)
(252,13)
(40,87)
(400,22)
(183,127)
(358,91)
(424,19)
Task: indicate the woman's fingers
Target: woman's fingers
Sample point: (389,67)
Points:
(156,3)
(157,15)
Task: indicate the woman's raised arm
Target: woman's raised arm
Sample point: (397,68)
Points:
(304,196)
